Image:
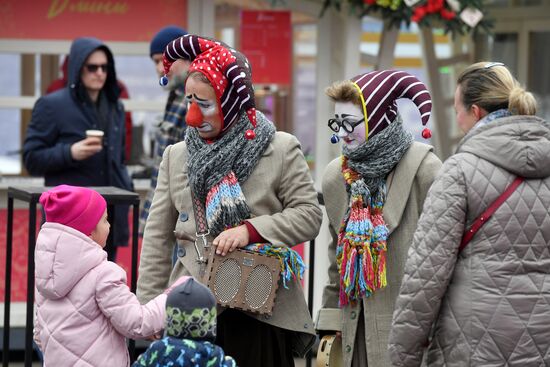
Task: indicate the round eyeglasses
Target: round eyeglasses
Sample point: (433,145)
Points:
(347,124)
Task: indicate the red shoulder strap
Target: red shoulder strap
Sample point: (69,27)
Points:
(480,221)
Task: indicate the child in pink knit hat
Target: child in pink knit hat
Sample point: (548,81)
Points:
(84,309)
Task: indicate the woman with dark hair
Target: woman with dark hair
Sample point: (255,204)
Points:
(476,285)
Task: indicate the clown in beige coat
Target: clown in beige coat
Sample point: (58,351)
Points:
(408,185)
(381,170)
(285,211)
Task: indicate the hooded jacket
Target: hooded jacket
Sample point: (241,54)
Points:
(84,309)
(128,124)
(488,305)
(61,119)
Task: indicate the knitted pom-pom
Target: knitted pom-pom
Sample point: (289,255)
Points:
(334,139)
(250,134)
(163,81)
(426,133)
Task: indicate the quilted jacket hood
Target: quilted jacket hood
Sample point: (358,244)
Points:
(72,255)
(519,144)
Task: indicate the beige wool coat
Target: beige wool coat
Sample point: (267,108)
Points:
(284,208)
(408,184)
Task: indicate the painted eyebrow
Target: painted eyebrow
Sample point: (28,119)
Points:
(344,115)
(197,98)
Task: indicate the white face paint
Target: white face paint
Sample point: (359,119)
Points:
(208,109)
(352,113)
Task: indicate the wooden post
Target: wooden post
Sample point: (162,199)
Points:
(445,135)
(385,57)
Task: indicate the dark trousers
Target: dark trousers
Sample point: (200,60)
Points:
(253,343)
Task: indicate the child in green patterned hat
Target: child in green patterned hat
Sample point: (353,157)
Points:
(190,330)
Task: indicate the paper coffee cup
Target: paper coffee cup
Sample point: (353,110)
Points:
(95,134)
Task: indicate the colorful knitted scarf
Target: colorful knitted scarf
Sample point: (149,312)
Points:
(218,168)
(362,239)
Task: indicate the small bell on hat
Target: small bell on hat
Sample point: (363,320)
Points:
(250,134)
(163,81)
(426,133)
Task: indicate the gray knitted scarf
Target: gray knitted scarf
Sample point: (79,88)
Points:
(218,168)
(375,158)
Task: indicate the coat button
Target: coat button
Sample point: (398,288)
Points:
(181,251)
(353,315)
(348,348)
(306,326)
(184,217)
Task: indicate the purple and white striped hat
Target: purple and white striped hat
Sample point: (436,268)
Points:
(380,89)
(227,70)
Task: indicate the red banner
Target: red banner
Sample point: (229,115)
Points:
(109,20)
(266,40)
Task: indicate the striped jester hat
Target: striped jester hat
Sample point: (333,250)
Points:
(380,89)
(228,71)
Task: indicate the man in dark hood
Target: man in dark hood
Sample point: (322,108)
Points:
(56,145)
(61,82)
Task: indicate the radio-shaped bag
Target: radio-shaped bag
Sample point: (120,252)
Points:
(243,280)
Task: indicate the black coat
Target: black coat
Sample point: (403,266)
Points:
(61,119)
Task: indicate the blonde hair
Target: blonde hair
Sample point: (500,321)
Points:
(344,91)
(491,86)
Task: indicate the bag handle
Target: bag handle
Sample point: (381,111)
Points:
(484,217)
(201,232)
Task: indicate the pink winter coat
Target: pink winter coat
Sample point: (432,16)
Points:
(84,309)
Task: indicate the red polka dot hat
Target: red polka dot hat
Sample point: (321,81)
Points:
(227,70)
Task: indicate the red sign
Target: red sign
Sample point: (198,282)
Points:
(266,40)
(109,20)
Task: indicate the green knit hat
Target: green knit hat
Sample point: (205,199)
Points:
(191,312)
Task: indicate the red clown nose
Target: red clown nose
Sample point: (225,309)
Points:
(194,115)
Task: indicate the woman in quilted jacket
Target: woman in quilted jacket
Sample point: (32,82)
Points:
(84,309)
(488,304)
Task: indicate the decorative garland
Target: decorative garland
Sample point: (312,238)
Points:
(456,16)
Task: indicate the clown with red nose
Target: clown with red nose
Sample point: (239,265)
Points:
(257,193)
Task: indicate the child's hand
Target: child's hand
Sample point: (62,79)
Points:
(156,336)
(179,281)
